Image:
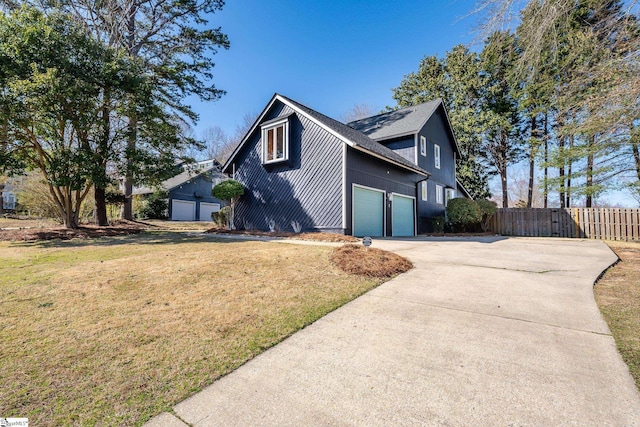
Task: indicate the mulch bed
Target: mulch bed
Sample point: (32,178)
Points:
(370,262)
(120,228)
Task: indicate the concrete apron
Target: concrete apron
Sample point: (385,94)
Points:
(486,331)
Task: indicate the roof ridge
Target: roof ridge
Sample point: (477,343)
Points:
(394,111)
(344,130)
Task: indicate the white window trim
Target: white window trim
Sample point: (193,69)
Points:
(284,122)
(424,191)
(439,195)
(436,155)
(423,146)
(447,192)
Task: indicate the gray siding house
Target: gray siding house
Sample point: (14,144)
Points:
(370,177)
(189,191)
(423,135)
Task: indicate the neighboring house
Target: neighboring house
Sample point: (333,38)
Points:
(381,176)
(189,191)
(9,193)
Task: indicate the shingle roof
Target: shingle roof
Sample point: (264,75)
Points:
(395,123)
(171,183)
(357,138)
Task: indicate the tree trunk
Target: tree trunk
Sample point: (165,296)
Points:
(569,171)
(99,191)
(561,173)
(100,211)
(532,160)
(635,148)
(68,214)
(127,206)
(546,159)
(503,170)
(589,185)
(1,199)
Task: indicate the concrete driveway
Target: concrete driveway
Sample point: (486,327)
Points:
(484,331)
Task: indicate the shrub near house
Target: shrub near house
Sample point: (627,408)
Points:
(467,214)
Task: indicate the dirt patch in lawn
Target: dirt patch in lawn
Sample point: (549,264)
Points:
(618,296)
(369,262)
(318,237)
(113,331)
(51,232)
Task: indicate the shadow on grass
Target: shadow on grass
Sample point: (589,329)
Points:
(153,237)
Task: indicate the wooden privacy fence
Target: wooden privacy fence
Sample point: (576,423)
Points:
(589,223)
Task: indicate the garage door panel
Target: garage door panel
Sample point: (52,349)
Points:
(403,216)
(206,209)
(183,210)
(368,212)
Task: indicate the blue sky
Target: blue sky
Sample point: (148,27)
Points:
(328,55)
(331,55)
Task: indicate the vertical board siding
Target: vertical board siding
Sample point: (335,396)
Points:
(586,223)
(405,147)
(306,189)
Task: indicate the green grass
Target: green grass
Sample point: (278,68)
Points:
(618,296)
(115,330)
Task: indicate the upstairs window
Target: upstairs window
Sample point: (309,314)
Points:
(436,155)
(423,146)
(275,141)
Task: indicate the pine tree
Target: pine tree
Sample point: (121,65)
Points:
(456,80)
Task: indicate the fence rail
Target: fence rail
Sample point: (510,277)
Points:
(589,223)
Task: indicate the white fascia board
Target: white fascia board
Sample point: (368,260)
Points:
(251,130)
(346,140)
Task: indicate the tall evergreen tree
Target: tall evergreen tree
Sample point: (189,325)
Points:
(589,51)
(54,78)
(499,105)
(175,45)
(456,80)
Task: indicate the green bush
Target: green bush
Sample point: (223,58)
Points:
(228,190)
(463,213)
(438,224)
(488,208)
(221,217)
(155,206)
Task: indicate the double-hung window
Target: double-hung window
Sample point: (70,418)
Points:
(275,141)
(423,190)
(423,146)
(436,155)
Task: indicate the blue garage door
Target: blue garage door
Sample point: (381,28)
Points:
(402,216)
(368,216)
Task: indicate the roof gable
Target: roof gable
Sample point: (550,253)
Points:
(405,121)
(348,135)
(182,178)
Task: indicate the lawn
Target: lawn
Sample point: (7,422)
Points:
(115,330)
(618,296)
